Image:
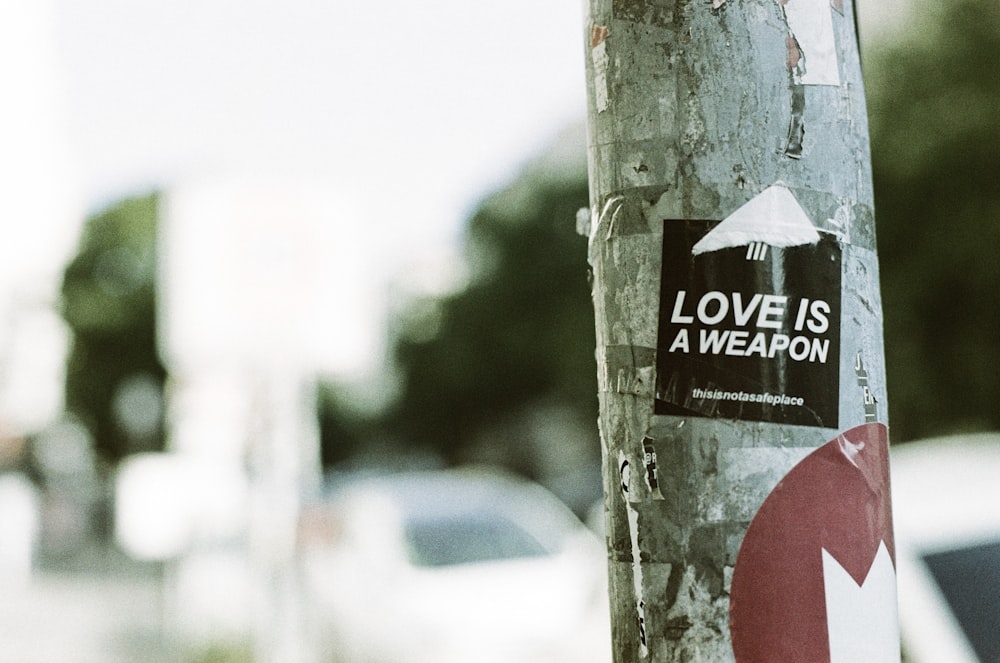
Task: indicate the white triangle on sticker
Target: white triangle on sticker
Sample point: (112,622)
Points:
(772,217)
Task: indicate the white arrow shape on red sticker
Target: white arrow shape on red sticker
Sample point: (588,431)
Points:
(814,580)
(772,217)
(862,620)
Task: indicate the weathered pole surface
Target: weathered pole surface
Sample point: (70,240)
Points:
(739,333)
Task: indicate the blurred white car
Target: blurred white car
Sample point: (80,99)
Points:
(946,508)
(454,567)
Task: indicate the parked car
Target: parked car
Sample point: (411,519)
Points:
(946,504)
(461,566)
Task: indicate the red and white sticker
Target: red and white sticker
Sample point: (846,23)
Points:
(815,579)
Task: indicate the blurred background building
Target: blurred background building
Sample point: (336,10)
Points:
(248,248)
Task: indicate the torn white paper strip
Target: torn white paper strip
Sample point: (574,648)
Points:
(811,23)
(773,217)
(599,55)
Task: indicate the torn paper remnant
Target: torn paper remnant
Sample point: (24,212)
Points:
(599,56)
(810,23)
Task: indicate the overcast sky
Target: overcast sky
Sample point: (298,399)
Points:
(413,106)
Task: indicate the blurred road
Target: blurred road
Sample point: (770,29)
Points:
(82,616)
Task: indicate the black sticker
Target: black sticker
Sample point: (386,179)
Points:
(749,332)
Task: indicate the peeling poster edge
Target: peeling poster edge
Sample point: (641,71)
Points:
(625,472)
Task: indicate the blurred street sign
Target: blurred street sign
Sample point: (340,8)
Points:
(265,272)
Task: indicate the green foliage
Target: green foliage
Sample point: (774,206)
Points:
(520,333)
(109,302)
(933,99)
(342,429)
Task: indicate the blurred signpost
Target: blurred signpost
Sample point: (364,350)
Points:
(41,210)
(249,315)
(739,333)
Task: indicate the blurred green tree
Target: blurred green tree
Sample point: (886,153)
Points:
(481,367)
(934,98)
(343,430)
(114,377)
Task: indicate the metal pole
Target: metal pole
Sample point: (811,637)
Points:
(739,333)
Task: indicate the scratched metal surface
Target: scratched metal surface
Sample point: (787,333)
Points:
(695,108)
